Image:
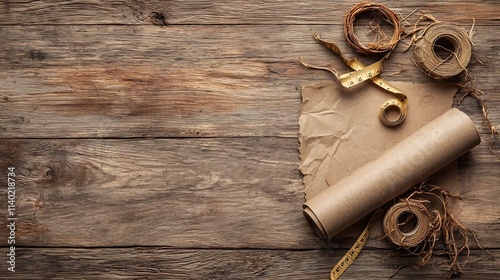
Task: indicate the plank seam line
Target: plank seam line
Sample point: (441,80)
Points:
(194,24)
(174,24)
(213,248)
(149,138)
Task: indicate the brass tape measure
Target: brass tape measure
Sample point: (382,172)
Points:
(353,253)
(387,106)
(363,73)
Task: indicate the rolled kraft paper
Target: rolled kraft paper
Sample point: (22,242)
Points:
(407,163)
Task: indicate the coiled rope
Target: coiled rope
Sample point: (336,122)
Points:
(380,13)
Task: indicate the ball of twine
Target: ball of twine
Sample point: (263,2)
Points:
(432,64)
(380,12)
(392,223)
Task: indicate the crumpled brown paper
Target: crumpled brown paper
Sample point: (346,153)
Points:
(340,130)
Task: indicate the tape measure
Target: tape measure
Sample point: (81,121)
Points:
(363,73)
(353,253)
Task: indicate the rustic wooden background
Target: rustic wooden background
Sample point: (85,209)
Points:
(158,139)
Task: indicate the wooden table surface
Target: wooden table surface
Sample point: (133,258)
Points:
(158,139)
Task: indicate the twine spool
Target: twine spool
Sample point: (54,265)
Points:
(407,223)
(380,12)
(427,43)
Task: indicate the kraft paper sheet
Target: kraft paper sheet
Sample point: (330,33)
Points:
(340,130)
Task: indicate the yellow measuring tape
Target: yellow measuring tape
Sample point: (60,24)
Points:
(351,255)
(363,73)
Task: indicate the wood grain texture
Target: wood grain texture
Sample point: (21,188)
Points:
(157,139)
(195,193)
(163,263)
(215,81)
(62,12)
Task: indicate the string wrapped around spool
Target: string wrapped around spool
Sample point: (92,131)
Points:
(380,12)
(431,39)
(401,215)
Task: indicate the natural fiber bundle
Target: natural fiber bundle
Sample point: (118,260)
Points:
(379,12)
(426,45)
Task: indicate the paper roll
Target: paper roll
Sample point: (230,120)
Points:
(407,163)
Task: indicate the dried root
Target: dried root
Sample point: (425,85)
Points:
(469,85)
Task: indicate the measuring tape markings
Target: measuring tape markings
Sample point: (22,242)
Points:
(353,253)
(363,73)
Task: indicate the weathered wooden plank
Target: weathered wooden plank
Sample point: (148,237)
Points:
(163,263)
(223,12)
(143,81)
(226,208)
(187,193)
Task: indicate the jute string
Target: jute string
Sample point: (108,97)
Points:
(409,209)
(428,42)
(425,39)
